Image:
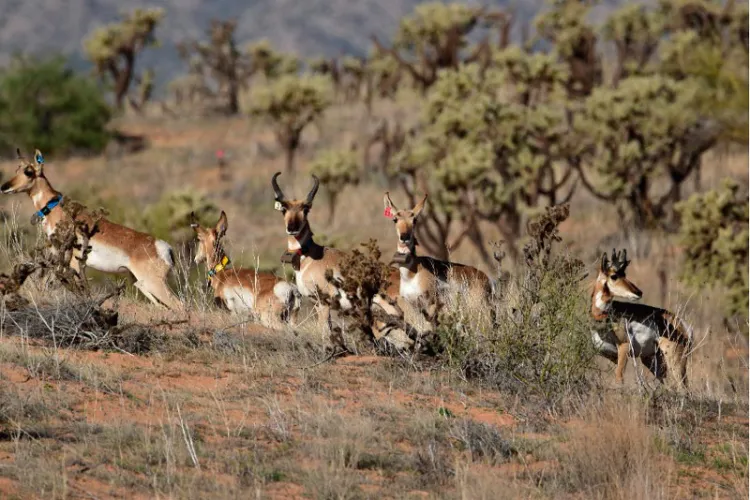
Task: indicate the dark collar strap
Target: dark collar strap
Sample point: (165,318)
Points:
(46,209)
(223,263)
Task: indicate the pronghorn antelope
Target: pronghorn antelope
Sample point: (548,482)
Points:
(656,336)
(422,278)
(242,290)
(309,260)
(113,248)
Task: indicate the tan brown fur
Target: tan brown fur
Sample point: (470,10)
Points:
(315,260)
(421,277)
(114,248)
(231,285)
(624,323)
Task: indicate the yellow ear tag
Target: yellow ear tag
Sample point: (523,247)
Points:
(277,206)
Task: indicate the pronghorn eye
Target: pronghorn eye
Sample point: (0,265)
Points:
(28,172)
(395,220)
(613,277)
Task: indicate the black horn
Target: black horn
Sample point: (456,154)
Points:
(313,191)
(279,195)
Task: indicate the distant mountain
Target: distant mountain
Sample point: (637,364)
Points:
(306,27)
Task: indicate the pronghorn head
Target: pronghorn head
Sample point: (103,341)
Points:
(612,276)
(294,211)
(209,240)
(26,174)
(405,221)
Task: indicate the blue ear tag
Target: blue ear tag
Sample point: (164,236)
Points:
(39,159)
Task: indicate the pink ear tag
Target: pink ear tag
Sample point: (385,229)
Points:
(387,212)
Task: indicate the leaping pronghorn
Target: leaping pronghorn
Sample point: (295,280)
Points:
(113,248)
(658,337)
(242,290)
(309,260)
(422,277)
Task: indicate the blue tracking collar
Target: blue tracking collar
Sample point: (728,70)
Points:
(49,206)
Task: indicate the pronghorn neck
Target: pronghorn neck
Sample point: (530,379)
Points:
(601,300)
(302,243)
(41,193)
(219,263)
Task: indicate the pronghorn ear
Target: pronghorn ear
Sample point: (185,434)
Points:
(390,208)
(419,207)
(604,265)
(38,160)
(222,225)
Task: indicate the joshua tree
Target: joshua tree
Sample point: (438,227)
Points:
(114,48)
(336,170)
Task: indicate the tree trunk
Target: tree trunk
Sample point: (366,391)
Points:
(290,153)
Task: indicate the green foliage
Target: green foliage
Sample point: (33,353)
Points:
(488,138)
(631,134)
(269,62)
(45,105)
(113,48)
(136,29)
(564,25)
(540,345)
(336,169)
(636,31)
(290,103)
(715,234)
(169,218)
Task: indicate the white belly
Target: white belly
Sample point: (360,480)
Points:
(107,259)
(239,299)
(643,338)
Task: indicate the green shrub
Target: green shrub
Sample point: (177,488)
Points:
(45,105)
(714,231)
(540,345)
(169,218)
(336,170)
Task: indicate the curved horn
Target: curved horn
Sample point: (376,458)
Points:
(279,194)
(193,220)
(19,155)
(313,191)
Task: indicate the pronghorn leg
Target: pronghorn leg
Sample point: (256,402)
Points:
(143,288)
(623,351)
(159,293)
(656,364)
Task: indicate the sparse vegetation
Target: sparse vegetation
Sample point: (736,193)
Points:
(715,234)
(44,104)
(104,395)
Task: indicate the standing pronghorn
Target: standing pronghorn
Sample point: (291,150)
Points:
(113,248)
(656,336)
(309,260)
(423,278)
(242,290)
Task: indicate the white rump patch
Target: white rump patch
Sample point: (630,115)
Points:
(164,250)
(285,292)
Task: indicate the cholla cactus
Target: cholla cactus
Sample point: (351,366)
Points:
(432,39)
(336,170)
(488,148)
(270,63)
(114,48)
(644,129)
(636,31)
(290,104)
(564,25)
(715,234)
(170,217)
(219,60)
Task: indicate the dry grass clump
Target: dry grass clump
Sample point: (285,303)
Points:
(612,453)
